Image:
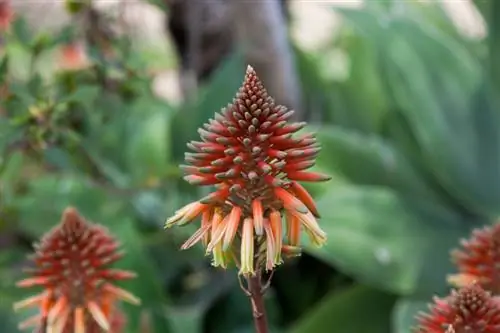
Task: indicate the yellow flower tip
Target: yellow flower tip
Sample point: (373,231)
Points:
(186,214)
(79,320)
(32,321)
(121,294)
(277,231)
(56,310)
(247,247)
(461,280)
(219,259)
(29,302)
(98,315)
(291,251)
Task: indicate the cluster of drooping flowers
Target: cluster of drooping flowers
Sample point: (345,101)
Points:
(251,153)
(475,307)
(71,264)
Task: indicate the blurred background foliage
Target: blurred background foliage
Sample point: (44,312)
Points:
(406,107)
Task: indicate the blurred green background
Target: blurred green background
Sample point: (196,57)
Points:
(404,98)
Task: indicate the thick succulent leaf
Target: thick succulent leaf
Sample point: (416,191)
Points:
(387,242)
(338,311)
(149,149)
(370,160)
(403,316)
(435,81)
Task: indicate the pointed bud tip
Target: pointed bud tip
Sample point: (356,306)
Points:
(70,213)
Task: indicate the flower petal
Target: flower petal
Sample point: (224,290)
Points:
(206,220)
(290,201)
(60,324)
(79,320)
(292,228)
(277,228)
(121,294)
(232,226)
(196,237)
(318,236)
(247,247)
(219,226)
(270,245)
(56,310)
(29,302)
(258,216)
(304,196)
(98,315)
(186,214)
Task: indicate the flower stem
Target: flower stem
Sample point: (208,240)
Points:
(256,294)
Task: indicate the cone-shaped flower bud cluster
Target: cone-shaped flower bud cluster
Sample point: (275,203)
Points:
(479,260)
(470,309)
(252,155)
(71,266)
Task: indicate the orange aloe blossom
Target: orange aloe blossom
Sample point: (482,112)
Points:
(479,260)
(253,156)
(71,266)
(470,309)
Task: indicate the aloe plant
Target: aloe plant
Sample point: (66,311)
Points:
(420,160)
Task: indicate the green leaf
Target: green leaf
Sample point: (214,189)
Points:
(4,67)
(147,285)
(21,31)
(58,158)
(403,316)
(494,42)
(189,319)
(484,7)
(369,160)
(10,175)
(434,80)
(40,208)
(356,309)
(23,94)
(84,95)
(149,148)
(386,242)
(216,95)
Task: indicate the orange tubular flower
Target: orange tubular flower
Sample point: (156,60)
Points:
(471,309)
(250,154)
(71,266)
(479,260)
(6,14)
